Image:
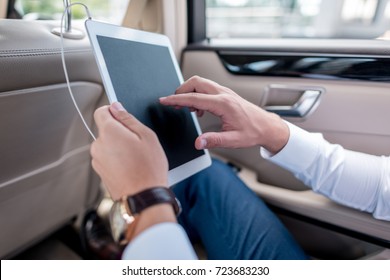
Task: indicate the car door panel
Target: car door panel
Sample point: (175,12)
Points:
(350,112)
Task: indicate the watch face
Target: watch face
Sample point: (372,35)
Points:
(177,208)
(119,221)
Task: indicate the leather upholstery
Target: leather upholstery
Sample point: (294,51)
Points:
(46,178)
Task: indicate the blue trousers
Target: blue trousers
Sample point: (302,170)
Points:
(221,212)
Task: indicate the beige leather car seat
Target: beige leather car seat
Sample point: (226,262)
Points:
(46,178)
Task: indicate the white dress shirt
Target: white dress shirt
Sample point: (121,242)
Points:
(353,179)
(350,178)
(165,241)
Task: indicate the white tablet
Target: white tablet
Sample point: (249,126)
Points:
(137,68)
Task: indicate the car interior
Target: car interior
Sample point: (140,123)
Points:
(335,86)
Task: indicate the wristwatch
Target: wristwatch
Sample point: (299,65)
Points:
(125,212)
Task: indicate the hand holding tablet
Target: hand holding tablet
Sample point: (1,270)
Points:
(137,69)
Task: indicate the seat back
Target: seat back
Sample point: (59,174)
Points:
(46,178)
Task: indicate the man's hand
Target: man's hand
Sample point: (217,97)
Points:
(127,155)
(243,123)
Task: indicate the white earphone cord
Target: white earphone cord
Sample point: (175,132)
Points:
(64,64)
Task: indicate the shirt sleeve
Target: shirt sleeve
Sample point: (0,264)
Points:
(165,241)
(357,180)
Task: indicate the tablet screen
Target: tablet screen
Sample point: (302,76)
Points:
(140,74)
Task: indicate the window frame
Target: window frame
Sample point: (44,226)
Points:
(196,21)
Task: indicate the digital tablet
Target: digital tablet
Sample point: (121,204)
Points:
(137,68)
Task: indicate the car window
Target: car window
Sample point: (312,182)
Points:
(112,11)
(357,19)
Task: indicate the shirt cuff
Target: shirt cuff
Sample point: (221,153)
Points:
(164,241)
(300,151)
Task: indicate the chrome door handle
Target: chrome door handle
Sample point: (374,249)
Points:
(301,108)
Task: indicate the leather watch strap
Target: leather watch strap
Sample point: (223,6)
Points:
(138,202)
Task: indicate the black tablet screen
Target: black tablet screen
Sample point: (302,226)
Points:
(140,74)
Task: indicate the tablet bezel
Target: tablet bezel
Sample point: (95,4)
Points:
(95,28)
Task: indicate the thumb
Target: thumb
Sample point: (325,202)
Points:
(121,115)
(213,140)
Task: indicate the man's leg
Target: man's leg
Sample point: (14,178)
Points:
(230,220)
